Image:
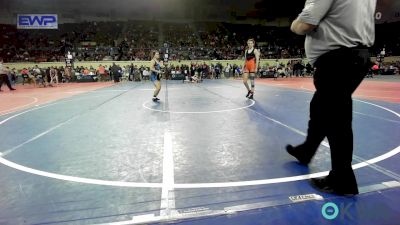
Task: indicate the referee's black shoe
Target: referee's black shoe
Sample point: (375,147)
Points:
(327,185)
(299,153)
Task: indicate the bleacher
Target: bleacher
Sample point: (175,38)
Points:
(133,40)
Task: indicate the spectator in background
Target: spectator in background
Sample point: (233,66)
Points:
(375,69)
(309,69)
(53,76)
(115,72)
(13,76)
(146,73)
(4,76)
(227,69)
(101,72)
(26,76)
(85,71)
(131,72)
(67,74)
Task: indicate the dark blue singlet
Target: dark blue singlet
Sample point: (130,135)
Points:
(155,76)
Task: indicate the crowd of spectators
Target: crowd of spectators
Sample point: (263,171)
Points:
(133,40)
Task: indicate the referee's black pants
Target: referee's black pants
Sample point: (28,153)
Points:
(331,110)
